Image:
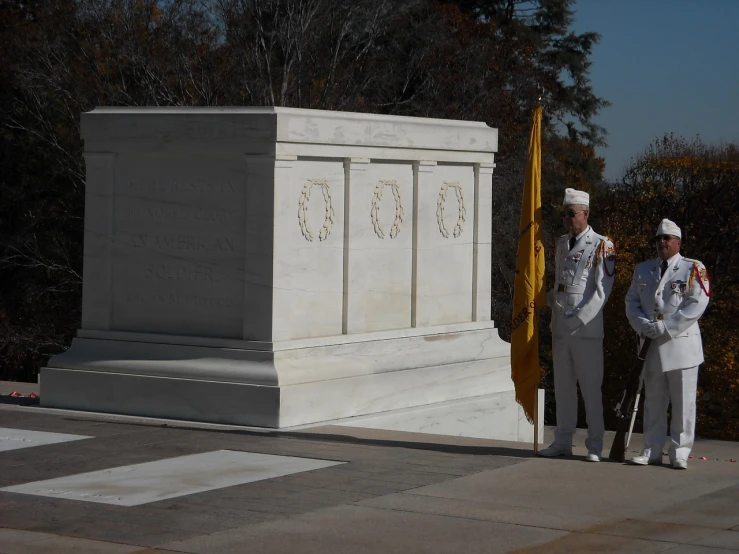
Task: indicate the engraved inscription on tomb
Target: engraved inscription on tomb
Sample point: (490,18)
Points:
(178,248)
(193,243)
(178,271)
(176,186)
(173,299)
(178,213)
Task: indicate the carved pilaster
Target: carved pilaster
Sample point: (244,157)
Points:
(97,273)
(482,260)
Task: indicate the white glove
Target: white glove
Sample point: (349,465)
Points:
(571,323)
(654,330)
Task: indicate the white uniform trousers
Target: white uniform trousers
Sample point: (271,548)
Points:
(578,360)
(679,387)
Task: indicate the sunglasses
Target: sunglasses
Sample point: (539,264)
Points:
(570,213)
(666,238)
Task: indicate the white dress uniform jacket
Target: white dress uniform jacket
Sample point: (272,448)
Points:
(679,300)
(582,284)
(583,281)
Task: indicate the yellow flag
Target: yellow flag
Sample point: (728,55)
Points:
(529,294)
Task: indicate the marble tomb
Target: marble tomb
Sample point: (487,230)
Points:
(279,267)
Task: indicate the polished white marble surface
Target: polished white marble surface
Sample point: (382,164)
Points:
(283,388)
(193,219)
(138,484)
(298,265)
(288,366)
(325,400)
(379,261)
(308,249)
(279,346)
(494,416)
(14,439)
(329,127)
(139,394)
(307,365)
(177,247)
(290,125)
(482,253)
(444,247)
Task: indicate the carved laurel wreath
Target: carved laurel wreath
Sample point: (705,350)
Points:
(375,211)
(459,227)
(303,207)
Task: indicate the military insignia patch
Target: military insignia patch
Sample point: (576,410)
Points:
(705,285)
(701,273)
(608,251)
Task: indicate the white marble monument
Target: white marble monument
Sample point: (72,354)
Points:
(279,267)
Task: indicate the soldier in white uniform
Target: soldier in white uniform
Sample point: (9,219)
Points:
(666,298)
(585,266)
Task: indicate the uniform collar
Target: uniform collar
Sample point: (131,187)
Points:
(672,264)
(581,235)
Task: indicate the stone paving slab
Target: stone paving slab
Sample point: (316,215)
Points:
(576,543)
(693,549)
(582,489)
(657,531)
(723,539)
(719,510)
(27,542)
(133,485)
(15,439)
(377,471)
(154,551)
(359,529)
(397,492)
(481,509)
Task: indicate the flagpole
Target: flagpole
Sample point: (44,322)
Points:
(536,327)
(536,420)
(529,287)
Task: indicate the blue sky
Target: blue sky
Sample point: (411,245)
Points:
(666,66)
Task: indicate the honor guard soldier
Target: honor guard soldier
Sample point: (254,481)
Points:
(667,296)
(584,273)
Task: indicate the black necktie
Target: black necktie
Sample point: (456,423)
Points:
(662,268)
(573,240)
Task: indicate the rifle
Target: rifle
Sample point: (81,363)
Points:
(624,408)
(636,407)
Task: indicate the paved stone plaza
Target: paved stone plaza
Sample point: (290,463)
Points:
(180,487)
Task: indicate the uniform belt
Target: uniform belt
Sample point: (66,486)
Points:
(571,288)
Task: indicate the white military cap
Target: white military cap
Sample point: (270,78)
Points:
(573,197)
(667,227)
